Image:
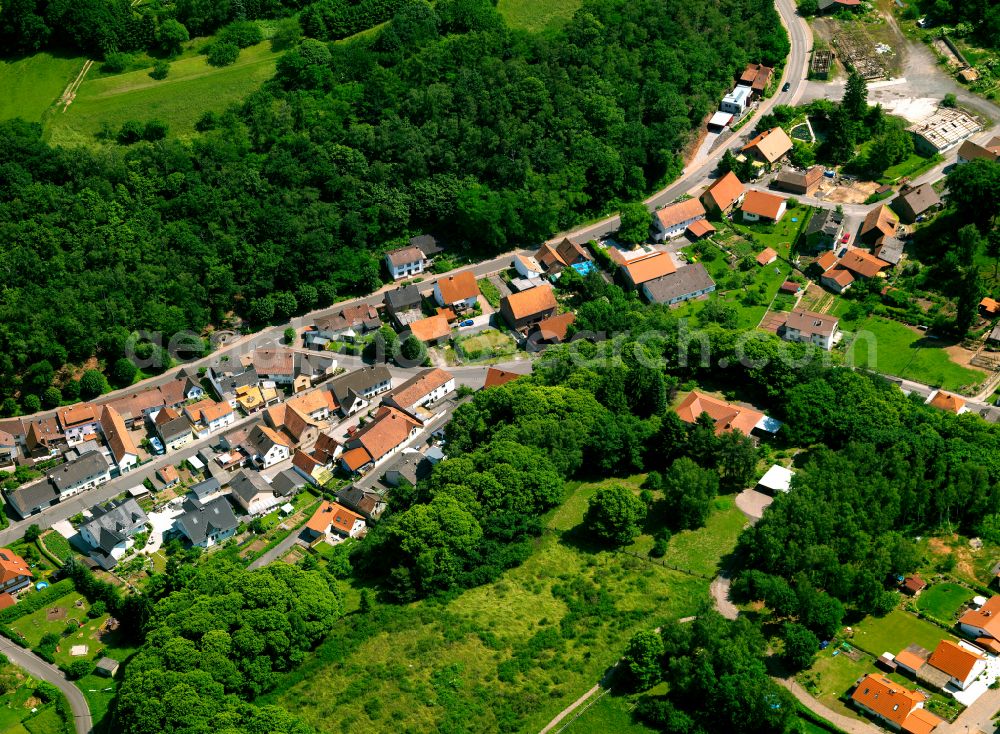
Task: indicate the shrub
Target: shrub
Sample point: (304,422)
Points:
(130,132)
(97,609)
(241,34)
(116,63)
(79,669)
(160,70)
(154,130)
(223,54)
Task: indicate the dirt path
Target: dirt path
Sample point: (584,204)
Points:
(849,725)
(69,94)
(571,708)
(720,594)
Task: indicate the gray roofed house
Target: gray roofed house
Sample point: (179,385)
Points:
(427,244)
(411,467)
(110,531)
(688,282)
(912,202)
(205,489)
(403,305)
(314,366)
(890,250)
(33,497)
(369,504)
(209,524)
(288,482)
(824,229)
(254,495)
(353,390)
(229,375)
(83,473)
(75,452)
(174,430)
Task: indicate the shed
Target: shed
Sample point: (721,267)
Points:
(790,286)
(887,662)
(913,585)
(107,667)
(777,479)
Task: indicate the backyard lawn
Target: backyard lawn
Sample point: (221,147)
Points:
(895,631)
(896,349)
(488,343)
(942,601)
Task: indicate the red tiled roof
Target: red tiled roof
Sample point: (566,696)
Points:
(766,256)
(12,566)
(889,700)
(954,659)
(987,617)
(700,228)
(826,261)
(531,302)
(727,417)
(762,204)
(725,190)
(458,287)
(673,214)
(653,266)
(496,377)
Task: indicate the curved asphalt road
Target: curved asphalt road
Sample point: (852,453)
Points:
(38,668)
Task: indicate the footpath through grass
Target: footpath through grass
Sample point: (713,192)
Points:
(30,86)
(192,88)
(508,655)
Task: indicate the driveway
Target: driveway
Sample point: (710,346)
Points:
(38,668)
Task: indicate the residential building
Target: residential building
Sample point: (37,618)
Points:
(699,229)
(111,530)
(384,435)
(983,624)
(766,256)
(403,305)
(426,387)
(916,201)
(862,264)
(890,250)
(288,482)
(528,267)
(879,223)
(331,518)
(136,408)
(725,193)
(947,402)
(78,422)
(769,146)
(970,151)
(736,102)
(123,449)
(794,181)
(757,77)
(405,262)
(252,493)
(552,330)
(837,279)
(353,391)
(31,498)
(168,475)
(528,307)
(43,437)
(691,281)
(640,270)
(346,325)
(673,219)
(762,206)
(810,328)
(208,416)
(174,430)
(893,705)
(205,490)
(267,446)
(86,472)
(14,572)
(227,375)
(496,377)
(369,504)
(989,308)
(825,261)
(945,129)
(431,330)
(834,5)
(410,468)
(209,524)
(458,292)
(289,421)
(726,416)
(273,365)
(565,254)
(963,662)
(427,245)
(8,448)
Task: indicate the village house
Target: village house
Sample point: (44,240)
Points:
(862,264)
(970,151)
(496,377)
(287,421)
(405,262)
(368,504)
(173,429)
(431,330)
(893,705)
(458,292)
(31,498)
(410,467)
(837,279)
(640,270)
(725,193)
(43,437)
(889,250)
(346,325)
(673,219)
(426,387)
(914,202)
(208,416)
(552,330)
(168,475)
(794,181)
(14,572)
(267,446)
(207,525)
(769,146)
(566,254)
(403,305)
(331,518)
(691,281)
(726,416)
(761,206)
(88,471)
(983,624)
(810,328)
(227,375)
(824,230)
(116,436)
(8,448)
(913,585)
(735,104)
(834,5)
(528,307)
(78,422)
(353,391)
(111,530)
(947,402)
(136,408)
(388,431)
(962,662)
(528,267)
(757,77)
(252,493)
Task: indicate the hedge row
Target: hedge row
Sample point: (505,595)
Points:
(33,602)
(818,720)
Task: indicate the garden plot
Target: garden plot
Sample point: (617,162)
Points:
(859,51)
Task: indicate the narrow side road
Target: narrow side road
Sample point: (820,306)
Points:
(38,668)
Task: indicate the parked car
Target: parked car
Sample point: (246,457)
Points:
(467,322)
(786,87)
(842,252)
(157,446)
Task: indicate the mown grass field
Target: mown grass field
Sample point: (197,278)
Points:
(895,631)
(536,15)
(942,601)
(192,88)
(893,348)
(507,655)
(30,86)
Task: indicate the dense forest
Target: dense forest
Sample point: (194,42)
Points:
(977,18)
(445,121)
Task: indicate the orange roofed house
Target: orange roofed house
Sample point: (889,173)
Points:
(331,518)
(556,258)
(963,664)
(879,224)
(983,624)
(724,194)
(528,307)
(640,270)
(496,377)
(726,416)
(862,264)
(757,77)
(78,422)
(459,291)
(431,330)
(673,219)
(892,704)
(14,573)
(767,256)
(760,205)
(946,401)
(384,435)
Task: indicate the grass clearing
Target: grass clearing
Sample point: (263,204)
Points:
(895,631)
(701,550)
(536,16)
(942,601)
(30,86)
(507,655)
(612,713)
(489,343)
(191,89)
